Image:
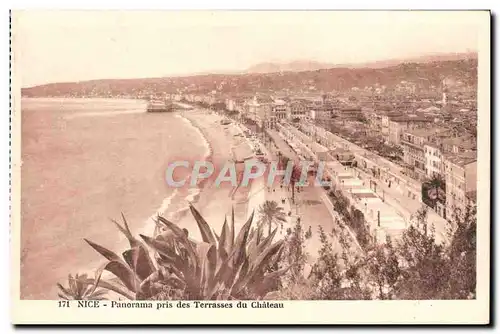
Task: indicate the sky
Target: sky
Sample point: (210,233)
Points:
(67,46)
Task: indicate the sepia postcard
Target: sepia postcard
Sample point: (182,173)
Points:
(250,167)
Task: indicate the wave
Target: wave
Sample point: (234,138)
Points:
(193,194)
(206,143)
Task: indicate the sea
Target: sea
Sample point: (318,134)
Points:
(86,162)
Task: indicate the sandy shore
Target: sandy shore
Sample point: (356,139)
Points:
(215,202)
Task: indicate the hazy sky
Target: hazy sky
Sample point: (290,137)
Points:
(72,46)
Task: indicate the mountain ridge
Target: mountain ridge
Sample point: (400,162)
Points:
(312,65)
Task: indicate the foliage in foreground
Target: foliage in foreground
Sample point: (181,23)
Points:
(172,266)
(251,266)
(415,267)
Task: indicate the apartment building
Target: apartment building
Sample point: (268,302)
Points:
(385,118)
(298,110)
(280,110)
(398,125)
(433,160)
(461,181)
(413,142)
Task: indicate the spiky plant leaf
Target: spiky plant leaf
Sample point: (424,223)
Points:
(140,261)
(117,266)
(231,231)
(241,242)
(206,232)
(181,237)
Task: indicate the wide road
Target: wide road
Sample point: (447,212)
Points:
(314,208)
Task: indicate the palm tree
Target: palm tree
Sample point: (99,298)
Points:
(436,184)
(295,178)
(271,213)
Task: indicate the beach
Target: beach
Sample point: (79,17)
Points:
(216,202)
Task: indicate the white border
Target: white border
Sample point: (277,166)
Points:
(192,5)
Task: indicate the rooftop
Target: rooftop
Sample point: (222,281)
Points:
(462,159)
(411,119)
(426,132)
(466,141)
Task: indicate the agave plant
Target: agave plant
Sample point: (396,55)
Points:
(137,277)
(80,288)
(221,266)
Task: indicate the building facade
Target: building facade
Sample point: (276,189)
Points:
(414,154)
(461,181)
(433,160)
(280,110)
(298,111)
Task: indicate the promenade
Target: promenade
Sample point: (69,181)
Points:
(315,208)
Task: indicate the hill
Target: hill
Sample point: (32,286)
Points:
(424,74)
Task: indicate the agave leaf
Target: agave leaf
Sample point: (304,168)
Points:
(242,277)
(272,295)
(147,288)
(240,273)
(267,254)
(124,274)
(63,296)
(109,255)
(262,261)
(206,232)
(119,289)
(251,234)
(80,287)
(72,284)
(140,261)
(231,231)
(63,289)
(226,293)
(216,236)
(214,292)
(88,290)
(126,231)
(241,241)
(166,251)
(224,236)
(226,271)
(252,248)
(259,234)
(222,257)
(201,250)
(117,266)
(210,269)
(267,241)
(181,236)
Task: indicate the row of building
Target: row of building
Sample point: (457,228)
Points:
(429,154)
(429,148)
